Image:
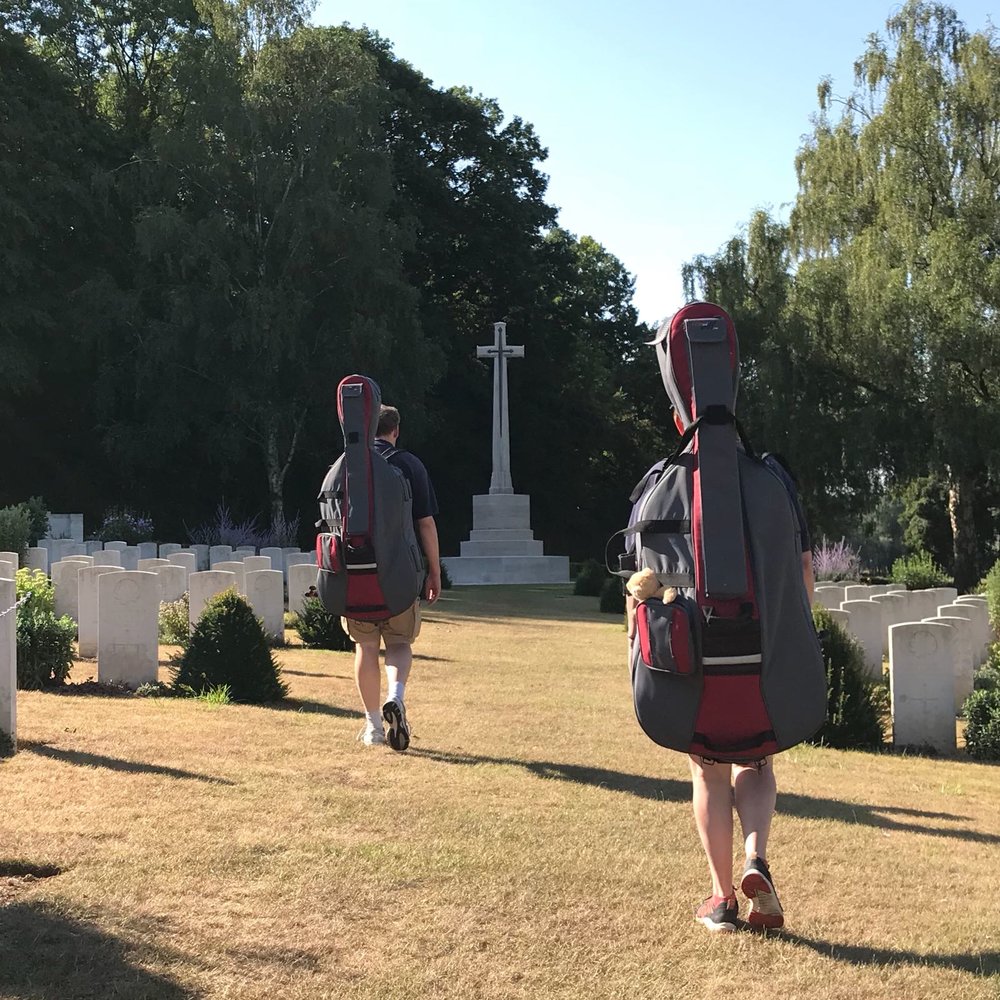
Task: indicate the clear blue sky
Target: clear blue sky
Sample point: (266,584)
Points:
(667,123)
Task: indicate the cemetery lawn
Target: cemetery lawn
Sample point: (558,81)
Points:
(532,844)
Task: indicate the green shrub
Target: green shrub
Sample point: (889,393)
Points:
(319,629)
(38,518)
(919,571)
(121,524)
(855,706)
(612,596)
(15,530)
(230,647)
(982,728)
(44,642)
(987,677)
(174,622)
(990,586)
(590,579)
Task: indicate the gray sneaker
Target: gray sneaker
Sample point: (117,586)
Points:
(398,732)
(372,736)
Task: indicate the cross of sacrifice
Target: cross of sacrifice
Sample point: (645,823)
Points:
(500,351)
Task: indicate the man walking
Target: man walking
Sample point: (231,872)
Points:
(387,721)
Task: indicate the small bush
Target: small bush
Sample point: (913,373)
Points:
(446,583)
(120,524)
(612,596)
(230,647)
(836,561)
(15,530)
(590,579)
(174,621)
(919,571)
(855,705)
(44,642)
(982,728)
(319,629)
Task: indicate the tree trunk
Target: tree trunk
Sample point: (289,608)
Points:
(275,478)
(961,490)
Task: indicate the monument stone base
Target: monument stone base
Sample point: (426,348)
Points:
(501,546)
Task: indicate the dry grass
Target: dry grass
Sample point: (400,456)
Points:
(532,844)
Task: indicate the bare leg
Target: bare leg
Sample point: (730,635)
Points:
(398,660)
(712,796)
(756,794)
(368,676)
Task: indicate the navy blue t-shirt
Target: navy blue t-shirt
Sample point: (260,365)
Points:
(424,500)
(778,467)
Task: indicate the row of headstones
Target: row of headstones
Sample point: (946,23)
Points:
(49,551)
(933,648)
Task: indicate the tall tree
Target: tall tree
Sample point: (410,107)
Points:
(898,211)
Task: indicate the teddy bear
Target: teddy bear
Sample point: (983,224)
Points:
(644,585)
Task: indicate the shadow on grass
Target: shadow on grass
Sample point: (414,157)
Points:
(640,785)
(20,869)
(309,673)
(312,707)
(672,790)
(83,759)
(47,956)
(982,963)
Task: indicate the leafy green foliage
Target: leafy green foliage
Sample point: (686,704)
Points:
(990,586)
(855,705)
(590,579)
(174,622)
(987,677)
(15,530)
(982,728)
(38,518)
(924,518)
(612,598)
(230,647)
(44,642)
(919,571)
(319,629)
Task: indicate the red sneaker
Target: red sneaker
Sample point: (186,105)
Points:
(719,913)
(756,885)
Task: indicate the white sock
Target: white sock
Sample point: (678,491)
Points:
(396,691)
(374,720)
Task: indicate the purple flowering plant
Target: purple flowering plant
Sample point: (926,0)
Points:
(836,561)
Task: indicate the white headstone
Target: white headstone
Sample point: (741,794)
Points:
(86,560)
(87,581)
(895,611)
(8,571)
(116,545)
(962,664)
(130,557)
(186,559)
(128,628)
(857,592)
(201,555)
(976,612)
(922,685)
(219,553)
(879,588)
(253,564)
(866,626)
(232,566)
(168,549)
(265,590)
(38,558)
(152,563)
(173,581)
(842,618)
(108,557)
(829,595)
(245,550)
(8,661)
(203,586)
(93,546)
(301,576)
(298,558)
(11,557)
(945,595)
(276,555)
(147,550)
(65,584)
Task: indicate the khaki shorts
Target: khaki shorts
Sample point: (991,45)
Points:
(404,627)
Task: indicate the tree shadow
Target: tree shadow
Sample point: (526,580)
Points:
(21,869)
(672,790)
(47,956)
(312,707)
(83,759)
(983,963)
(640,785)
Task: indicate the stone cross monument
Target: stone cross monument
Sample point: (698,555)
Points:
(502,547)
(499,351)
